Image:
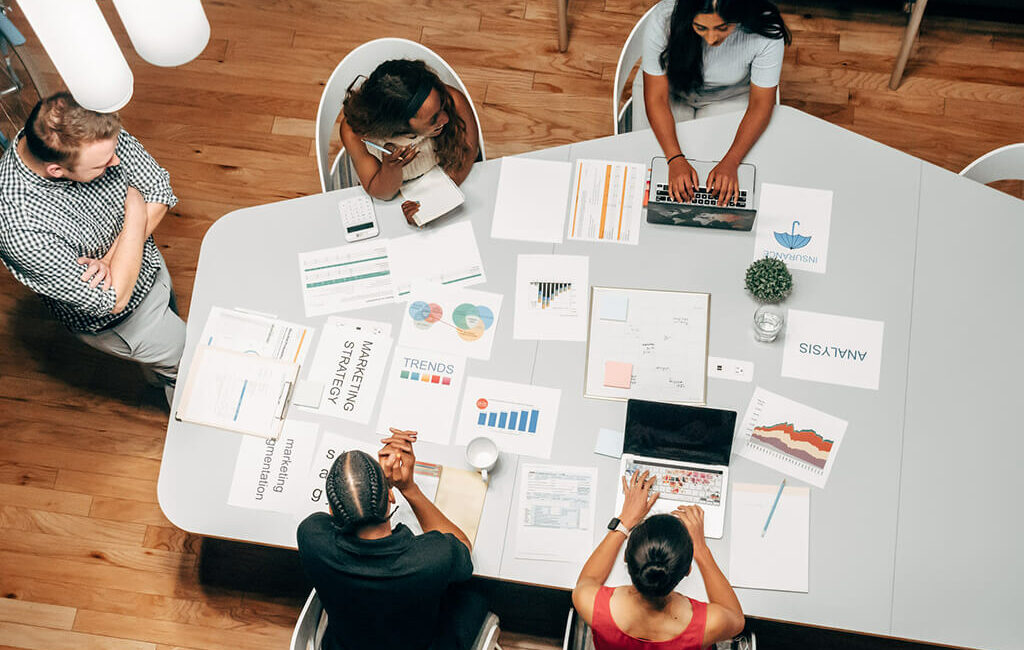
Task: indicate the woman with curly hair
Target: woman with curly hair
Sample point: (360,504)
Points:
(703,58)
(404,108)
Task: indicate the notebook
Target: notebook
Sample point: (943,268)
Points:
(688,449)
(436,192)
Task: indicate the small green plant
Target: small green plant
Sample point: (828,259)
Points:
(769,280)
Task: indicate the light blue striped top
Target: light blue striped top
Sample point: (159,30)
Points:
(742,59)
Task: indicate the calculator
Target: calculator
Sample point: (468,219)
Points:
(358,218)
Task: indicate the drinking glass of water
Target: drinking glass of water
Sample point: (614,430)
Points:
(768,321)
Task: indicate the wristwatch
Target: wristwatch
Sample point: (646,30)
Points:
(615,524)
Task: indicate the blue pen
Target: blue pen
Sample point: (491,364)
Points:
(775,503)
(377,147)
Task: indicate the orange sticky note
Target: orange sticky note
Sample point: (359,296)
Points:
(617,374)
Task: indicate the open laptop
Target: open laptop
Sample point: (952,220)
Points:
(687,448)
(703,211)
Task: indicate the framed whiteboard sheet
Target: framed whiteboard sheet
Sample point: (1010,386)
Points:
(648,344)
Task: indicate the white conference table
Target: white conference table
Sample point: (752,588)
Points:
(915,534)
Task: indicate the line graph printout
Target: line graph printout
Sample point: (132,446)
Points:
(790,437)
(345,277)
(606,201)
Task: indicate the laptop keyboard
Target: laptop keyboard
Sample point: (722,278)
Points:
(683,484)
(700,197)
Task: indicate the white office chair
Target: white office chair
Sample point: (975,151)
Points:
(312,624)
(310,628)
(577,633)
(632,51)
(339,173)
(1002,164)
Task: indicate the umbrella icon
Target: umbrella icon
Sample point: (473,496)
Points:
(791,240)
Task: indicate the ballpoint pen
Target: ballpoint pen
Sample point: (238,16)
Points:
(775,503)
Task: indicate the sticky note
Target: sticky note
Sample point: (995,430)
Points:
(308,394)
(618,374)
(609,443)
(614,307)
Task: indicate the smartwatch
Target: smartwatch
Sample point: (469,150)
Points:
(615,524)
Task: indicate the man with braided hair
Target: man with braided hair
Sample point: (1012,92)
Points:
(385,587)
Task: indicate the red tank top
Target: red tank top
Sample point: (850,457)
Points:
(608,636)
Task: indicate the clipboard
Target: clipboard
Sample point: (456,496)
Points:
(238,392)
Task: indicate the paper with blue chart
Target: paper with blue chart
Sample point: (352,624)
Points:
(793,225)
(551,298)
(833,349)
(450,319)
(422,393)
(519,418)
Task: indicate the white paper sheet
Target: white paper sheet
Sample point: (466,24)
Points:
(664,337)
(520,418)
(552,296)
(833,349)
(237,391)
(422,393)
(447,255)
(346,277)
(241,331)
(606,202)
(426,476)
(450,319)
(790,437)
(793,225)
(555,519)
(436,193)
(609,443)
(271,474)
(777,560)
(331,446)
(350,360)
(531,200)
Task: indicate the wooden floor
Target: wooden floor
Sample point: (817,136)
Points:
(87,560)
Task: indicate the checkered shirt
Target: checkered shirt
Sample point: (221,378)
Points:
(47,224)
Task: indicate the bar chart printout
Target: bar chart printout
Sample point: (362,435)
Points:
(345,277)
(520,418)
(551,297)
(790,437)
(606,201)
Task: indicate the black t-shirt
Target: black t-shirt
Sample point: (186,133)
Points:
(381,593)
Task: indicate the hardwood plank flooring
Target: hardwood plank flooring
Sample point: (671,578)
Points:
(87,560)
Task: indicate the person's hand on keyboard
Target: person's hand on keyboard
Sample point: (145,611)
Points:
(724,182)
(682,180)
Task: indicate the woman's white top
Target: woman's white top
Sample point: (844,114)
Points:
(419,165)
(742,59)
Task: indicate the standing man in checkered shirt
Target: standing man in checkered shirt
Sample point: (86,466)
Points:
(79,201)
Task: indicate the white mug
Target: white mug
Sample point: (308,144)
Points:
(482,455)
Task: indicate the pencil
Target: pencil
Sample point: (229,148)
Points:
(377,147)
(775,503)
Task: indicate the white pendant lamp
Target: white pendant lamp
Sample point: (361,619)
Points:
(82,48)
(165,32)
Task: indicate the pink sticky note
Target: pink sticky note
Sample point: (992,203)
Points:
(617,374)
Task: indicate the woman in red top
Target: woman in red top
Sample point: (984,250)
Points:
(648,614)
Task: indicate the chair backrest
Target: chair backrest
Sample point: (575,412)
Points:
(578,635)
(309,631)
(487,638)
(632,50)
(362,61)
(1004,163)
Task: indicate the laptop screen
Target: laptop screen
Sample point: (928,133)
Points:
(676,432)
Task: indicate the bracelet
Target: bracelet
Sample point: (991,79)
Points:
(678,155)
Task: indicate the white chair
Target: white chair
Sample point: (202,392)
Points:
(577,633)
(312,624)
(632,50)
(1004,163)
(310,628)
(339,173)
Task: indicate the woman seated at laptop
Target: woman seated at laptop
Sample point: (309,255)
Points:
(404,108)
(659,552)
(707,57)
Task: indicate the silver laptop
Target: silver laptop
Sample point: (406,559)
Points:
(688,449)
(703,211)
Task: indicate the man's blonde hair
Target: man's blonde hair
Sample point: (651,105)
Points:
(57,128)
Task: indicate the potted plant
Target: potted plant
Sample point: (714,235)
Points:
(768,280)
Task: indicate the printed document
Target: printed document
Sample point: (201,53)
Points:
(451,320)
(448,256)
(264,336)
(606,202)
(345,277)
(423,388)
(793,225)
(555,517)
(778,559)
(270,474)
(833,349)
(519,418)
(531,200)
(552,295)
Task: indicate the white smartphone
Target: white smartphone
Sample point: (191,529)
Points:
(358,218)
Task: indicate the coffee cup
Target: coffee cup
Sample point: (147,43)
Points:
(482,455)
